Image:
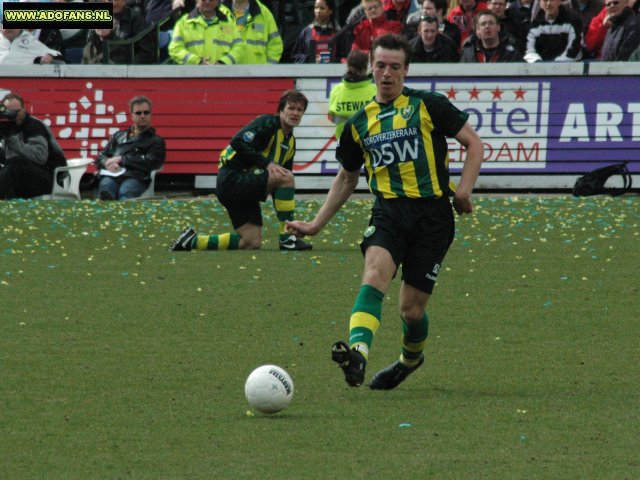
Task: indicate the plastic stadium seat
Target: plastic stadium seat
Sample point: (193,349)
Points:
(150,191)
(70,188)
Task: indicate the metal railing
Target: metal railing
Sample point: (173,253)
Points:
(133,42)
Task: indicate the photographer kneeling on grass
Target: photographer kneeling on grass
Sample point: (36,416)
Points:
(29,152)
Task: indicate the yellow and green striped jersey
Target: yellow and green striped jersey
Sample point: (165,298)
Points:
(403,144)
(257,144)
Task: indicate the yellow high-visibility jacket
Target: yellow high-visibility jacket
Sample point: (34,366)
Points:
(263,43)
(194,39)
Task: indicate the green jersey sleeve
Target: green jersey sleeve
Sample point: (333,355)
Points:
(249,143)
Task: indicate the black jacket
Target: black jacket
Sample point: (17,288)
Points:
(32,141)
(445,51)
(622,38)
(127,25)
(472,52)
(140,155)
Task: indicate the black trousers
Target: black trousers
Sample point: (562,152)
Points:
(24,179)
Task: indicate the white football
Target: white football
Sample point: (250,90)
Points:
(269,389)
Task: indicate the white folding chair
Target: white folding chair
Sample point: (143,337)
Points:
(150,191)
(70,188)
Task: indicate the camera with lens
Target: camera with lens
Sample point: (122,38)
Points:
(7,120)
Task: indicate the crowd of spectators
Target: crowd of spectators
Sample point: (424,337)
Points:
(326,31)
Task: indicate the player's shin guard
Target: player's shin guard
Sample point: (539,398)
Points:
(414,339)
(285,205)
(224,241)
(365,319)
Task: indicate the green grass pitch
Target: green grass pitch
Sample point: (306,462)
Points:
(120,359)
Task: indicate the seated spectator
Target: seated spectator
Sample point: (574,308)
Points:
(258,30)
(207,36)
(127,161)
(93,52)
(72,37)
(555,34)
(126,25)
(51,37)
(397,10)
(431,46)
(522,13)
(623,37)
(432,7)
(292,17)
(488,45)
(462,16)
(20,47)
(345,7)
(373,26)
(586,9)
(29,153)
(596,31)
(152,10)
(317,42)
(354,91)
(510,26)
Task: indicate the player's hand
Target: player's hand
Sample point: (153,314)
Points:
(300,229)
(278,171)
(462,203)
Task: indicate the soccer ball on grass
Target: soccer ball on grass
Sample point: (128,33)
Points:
(269,389)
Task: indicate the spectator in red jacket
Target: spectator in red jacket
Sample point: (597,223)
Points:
(396,9)
(594,37)
(373,26)
(462,16)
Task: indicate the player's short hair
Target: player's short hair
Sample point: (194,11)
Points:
(292,96)
(392,42)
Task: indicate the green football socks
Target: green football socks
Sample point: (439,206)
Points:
(225,241)
(365,319)
(414,339)
(284,205)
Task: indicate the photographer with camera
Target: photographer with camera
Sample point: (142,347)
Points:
(29,152)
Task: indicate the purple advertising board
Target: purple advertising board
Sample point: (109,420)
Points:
(545,124)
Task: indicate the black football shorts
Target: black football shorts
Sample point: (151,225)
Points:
(240,192)
(416,232)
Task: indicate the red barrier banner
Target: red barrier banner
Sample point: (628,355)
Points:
(196,116)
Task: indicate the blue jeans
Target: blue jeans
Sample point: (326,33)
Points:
(116,188)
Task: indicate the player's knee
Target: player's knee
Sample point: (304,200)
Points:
(288,180)
(412,314)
